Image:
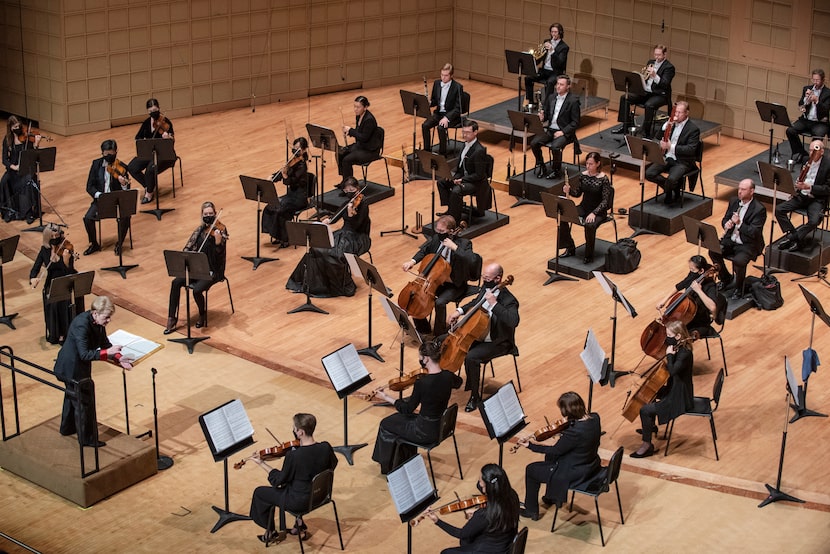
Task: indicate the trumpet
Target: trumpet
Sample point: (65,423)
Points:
(646,70)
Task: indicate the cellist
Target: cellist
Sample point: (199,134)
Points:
(703,294)
(503,309)
(459,253)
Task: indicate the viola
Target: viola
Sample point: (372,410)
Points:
(406,380)
(544,433)
(272,453)
(478,501)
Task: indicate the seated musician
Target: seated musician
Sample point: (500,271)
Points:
(552,63)
(493,527)
(57,259)
(432,393)
(18,199)
(290,487)
(703,292)
(209,237)
(560,117)
(743,239)
(680,153)
(570,462)
(659,73)
(815,109)
(470,175)
(596,188)
(459,253)
(295,177)
(813,191)
(367,144)
(446,99)
(503,309)
(145,172)
(102,181)
(679,391)
(325,271)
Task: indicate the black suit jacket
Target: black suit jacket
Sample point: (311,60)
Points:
(95,180)
(569,114)
(452,107)
(558,60)
(83,345)
(685,150)
(823,105)
(821,186)
(461,261)
(751,230)
(505,316)
(666,74)
(366,136)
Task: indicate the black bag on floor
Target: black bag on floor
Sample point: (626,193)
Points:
(766,292)
(623,256)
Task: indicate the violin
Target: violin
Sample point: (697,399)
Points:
(478,501)
(63,247)
(118,169)
(354,203)
(163,125)
(272,453)
(544,433)
(406,380)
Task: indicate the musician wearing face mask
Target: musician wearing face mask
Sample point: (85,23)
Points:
(503,309)
(815,109)
(459,253)
(209,237)
(54,260)
(703,292)
(18,198)
(99,182)
(812,192)
(144,171)
(679,395)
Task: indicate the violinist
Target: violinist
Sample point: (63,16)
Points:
(470,176)
(328,270)
(367,140)
(18,199)
(812,193)
(209,237)
(290,487)
(680,153)
(814,105)
(432,393)
(571,461)
(493,527)
(595,188)
(295,177)
(458,252)
(743,236)
(704,294)
(55,258)
(144,171)
(101,181)
(503,309)
(679,391)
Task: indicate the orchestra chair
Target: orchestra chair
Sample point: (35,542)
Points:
(230,297)
(702,407)
(609,217)
(519,542)
(600,484)
(447,430)
(824,226)
(691,177)
(577,152)
(321,488)
(513,352)
(364,167)
(483,197)
(712,333)
(178,160)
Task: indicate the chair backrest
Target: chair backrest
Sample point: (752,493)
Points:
(381,132)
(614,465)
(721,304)
(465,102)
(475,268)
(310,185)
(448,422)
(718,388)
(321,487)
(519,542)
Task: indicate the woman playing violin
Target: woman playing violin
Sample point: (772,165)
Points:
(57,257)
(493,527)
(18,199)
(432,393)
(328,271)
(295,177)
(144,171)
(704,293)
(290,487)
(679,396)
(571,461)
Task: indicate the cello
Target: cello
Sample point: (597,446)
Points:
(471,327)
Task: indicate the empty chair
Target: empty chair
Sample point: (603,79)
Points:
(703,407)
(447,430)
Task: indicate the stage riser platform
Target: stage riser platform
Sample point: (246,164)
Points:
(44,457)
(536,185)
(484,224)
(804,262)
(413,162)
(494,118)
(668,220)
(334,199)
(748,169)
(572,265)
(736,307)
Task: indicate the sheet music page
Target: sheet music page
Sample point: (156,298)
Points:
(133,346)
(350,259)
(344,367)
(791,380)
(604,282)
(331,235)
(238,421)
(593,356)
(409,484)
(504,409)
(219,429)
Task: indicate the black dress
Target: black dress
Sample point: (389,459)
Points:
(596,199)
(701,321)
(275,216)
(475,536)
(18,193)
(57,315)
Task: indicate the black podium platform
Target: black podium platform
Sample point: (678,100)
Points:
(806,261)
(334,199)
(537,185)
(667,220)
(494,118)
(748,169)
(573,265)
(413,163)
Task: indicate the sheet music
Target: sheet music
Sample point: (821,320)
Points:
(331,235)
(593,356)
(134,346)
(503,409)
(350,259)
(228,425)
(409,484)
(791,380)
(344,367)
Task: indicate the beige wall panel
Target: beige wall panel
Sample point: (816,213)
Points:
(201,72)
(96,22)
(77,114)
(160,34)
(241,88)
(120,84)
(138,37)
(200,52)
(76,91)
(180,32)
(75,25)
(240,67)
(97,66)
(119,63)
(220,48)
(161,79)
(139,60)
(201,95)
(181,76)
(181,98)
(118,19)
(98,88)
(75,47)
(160,57)
(120,108)
(240,24)
(200,29)
(99,110)
(139,81)
(76,69)
(221,92)
(220,70)
(56,92)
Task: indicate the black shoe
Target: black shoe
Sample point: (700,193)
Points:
(93,248)
(587,260)
(202,322)
(569,251)
(117,249)
(618,130)
(796,246)
(798,157)
(725,283)
(540,171)
(441,214)
(786,243)
(7,217)
(649,452)
(547,502)
(99,444)
(529,515)
(171,325)
(553,174)
(736,294)
(272,537)
(30,219)
(146,200)
(472,404)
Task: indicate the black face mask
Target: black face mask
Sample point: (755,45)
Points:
(109,158)
(295,434)
(671,341)
(488,284)
(442,236)
(56,241)
(155,115)
(208,219)
(18,131)
(480,488)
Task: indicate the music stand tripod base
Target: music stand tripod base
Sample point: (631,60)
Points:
(258,260)
(7,320)
(775,495)
(371,351)
(190,342)
(612,376)
(226,517)
(348,450)
(158,212)
(164,462)
(122,269)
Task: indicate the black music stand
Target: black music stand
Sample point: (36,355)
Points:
(405,324)
(610,376)
(416,105)
(8,246)
(773,114)
(628,82)
(817,310)
(701,234)
(72,288)
(325,140)
(311,235)
(32,162)
(117,205)
(259,190)
(191,266)
(503,415)
(405,178)
(777,179)
(440,169)
(595,361)
(162,462)
(156,150)
(561,209)
(347,374)
(646,151)
(373,279)
(412,492)
(523,64)
(525,124)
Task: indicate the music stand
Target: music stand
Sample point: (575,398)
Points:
(258,190)
(8,246)
(773,114)
(156,150)
(647,151)
(628,82)
(347,374)
(311,235)
(72,288)
(117,205)
(616,294)
(190,266)
(32,162)
(701,234)
(412,492)
(777,179)
(523,64)
(373,279)
(503,415)
(405,178)
(440,168)
(595,361)
(560,209)
(416,105)
(526,124)
(405,325)
(324,139)
(818,311)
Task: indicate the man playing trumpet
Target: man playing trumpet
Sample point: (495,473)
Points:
(552,62)
(657,76)
(815,106)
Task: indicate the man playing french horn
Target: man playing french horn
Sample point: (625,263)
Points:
(552,61)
